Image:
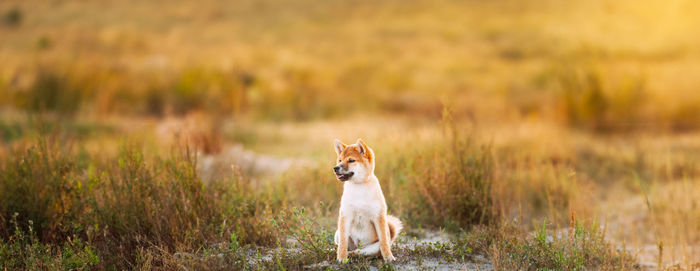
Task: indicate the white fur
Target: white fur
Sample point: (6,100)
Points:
(360,176)
(362,203)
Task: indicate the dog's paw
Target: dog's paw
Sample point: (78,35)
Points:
(342,261)
(389,259)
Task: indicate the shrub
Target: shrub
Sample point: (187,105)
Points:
(589,100)
(51,91)
(163,203)
(447,185)
(13,17)
(127,206)
(42,184)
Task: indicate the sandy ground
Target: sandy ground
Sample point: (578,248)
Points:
(405,261)
(253,163)
(633,226)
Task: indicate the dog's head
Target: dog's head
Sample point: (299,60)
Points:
(355,162)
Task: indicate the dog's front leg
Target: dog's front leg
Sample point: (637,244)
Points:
(382,229)
(343,236)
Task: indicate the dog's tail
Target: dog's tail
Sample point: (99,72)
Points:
(395,227)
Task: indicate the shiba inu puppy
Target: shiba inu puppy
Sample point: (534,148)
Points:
(363,225)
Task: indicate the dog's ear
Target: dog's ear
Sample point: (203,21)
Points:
(362,146)
(339,146)
(364,150)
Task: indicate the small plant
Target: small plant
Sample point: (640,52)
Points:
(77,255)
(43,43)
(23,250)
(13,17)
(314,241)
(583,248)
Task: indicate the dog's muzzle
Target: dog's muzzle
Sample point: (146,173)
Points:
(342,176)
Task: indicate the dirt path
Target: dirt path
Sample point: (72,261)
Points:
(252,163)
(653,230)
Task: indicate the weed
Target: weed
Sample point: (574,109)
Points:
(313,241)
(452,179)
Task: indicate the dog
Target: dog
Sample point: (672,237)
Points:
(363,224)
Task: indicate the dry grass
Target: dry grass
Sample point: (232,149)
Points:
(247,59)
(126,203)
(168,217)
(556,107)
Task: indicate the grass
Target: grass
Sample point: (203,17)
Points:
(137,211)
(581,247)
(548,116)
(462,52)
(584,248)
(23,250)
(452,179)
(126,204)
(168,216)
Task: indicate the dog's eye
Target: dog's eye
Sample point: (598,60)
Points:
(351,161)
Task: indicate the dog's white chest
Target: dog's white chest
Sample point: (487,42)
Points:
(360,203)
(361,207)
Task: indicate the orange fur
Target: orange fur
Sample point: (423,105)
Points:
(382,228)
(343,242)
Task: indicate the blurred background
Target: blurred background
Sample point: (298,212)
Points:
(587,107)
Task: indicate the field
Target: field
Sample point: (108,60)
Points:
(509,135)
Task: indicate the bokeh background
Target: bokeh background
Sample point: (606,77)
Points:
(589,108)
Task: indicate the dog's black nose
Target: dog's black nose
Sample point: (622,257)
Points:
(336,168)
